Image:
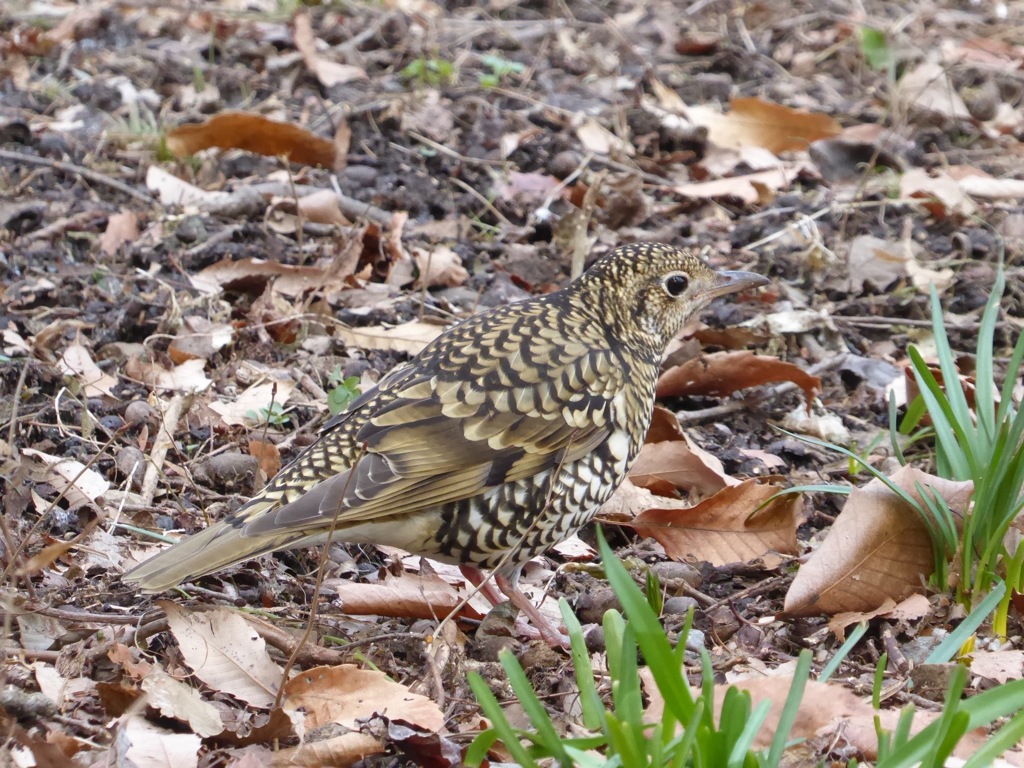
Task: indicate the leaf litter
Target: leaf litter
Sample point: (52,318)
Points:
(269,205)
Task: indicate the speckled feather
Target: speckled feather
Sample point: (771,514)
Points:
(504,434)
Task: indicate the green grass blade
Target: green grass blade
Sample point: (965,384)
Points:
(745,739)
(539,717)
(1004,739)
(984,391)
(791,707)
(948,648)
(650,635)
(590,700)
(499,723)
(951,438)
(855,635)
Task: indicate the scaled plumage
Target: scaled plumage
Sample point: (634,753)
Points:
(504,435)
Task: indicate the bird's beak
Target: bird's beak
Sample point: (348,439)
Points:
(727,282)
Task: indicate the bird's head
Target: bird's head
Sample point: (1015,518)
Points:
(646,292)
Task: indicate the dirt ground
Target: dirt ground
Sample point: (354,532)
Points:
(166,347)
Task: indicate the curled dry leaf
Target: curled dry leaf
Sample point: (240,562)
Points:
(722,373)
(726,528)
(77,481)
(255,133)
(176,700)
(668,465)
(252,276)
(418,596)
(346,695)
(440,266)
(878,548)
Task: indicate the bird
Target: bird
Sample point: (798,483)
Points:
(498,440)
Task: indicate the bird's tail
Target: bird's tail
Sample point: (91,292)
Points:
(216,547)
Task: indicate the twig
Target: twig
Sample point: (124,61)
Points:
(78,170)
(161,444)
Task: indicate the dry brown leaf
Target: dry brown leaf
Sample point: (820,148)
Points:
(346,694)
(187,377)
(78,482)
(76,361)
(199,339)
(877,548)
(418,596)
(599,140)
(156,747)
(757,123)
(998,665)
(176,700)
(926,92)
(252,275)
(329,73)
(322,207)
(267,454)
(821,703)
(940,194)
(252,401)
(121,228)
(440,266)
(254,133)
(664,466)
(881,263)
(410,337)
(225,652)
(751,188)
(337,752)
(838,623)
(726,528)
(723,373)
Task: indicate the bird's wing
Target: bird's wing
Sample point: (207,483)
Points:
(440,440)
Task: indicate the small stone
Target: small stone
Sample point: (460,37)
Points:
(228,472)
(591,606)
(131,463)
(139,412)
(563,164)
(679,605)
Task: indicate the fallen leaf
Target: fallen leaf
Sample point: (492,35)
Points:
(927,93)
(417,596)
(254,133)
(877,548)
(597,139)
(665,466)
(225,652)
(252,276)
(728,527)
(410,337)
(68,474)
(199,339)
(329,73)
(998,665)
(121,228)
(76,361)
(156,747)
(753,122)
(187,377)
(722,373)
(750,188)
(253,400)
(176,700)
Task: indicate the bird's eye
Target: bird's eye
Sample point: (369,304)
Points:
(676,284)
